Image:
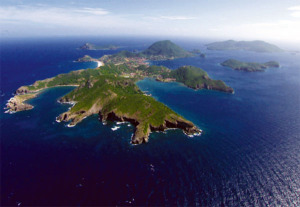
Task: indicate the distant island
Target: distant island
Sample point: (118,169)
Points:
(255,46)
(249,66)
(111,92)
(89,46)
(198,52)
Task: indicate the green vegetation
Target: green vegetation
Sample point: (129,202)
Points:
(111,92)
(249,66)
(154,70)
(256,46)
(198,79)
(72,78)
(161,50)
(127,54)
(104,91)
(119,99)
(120,95)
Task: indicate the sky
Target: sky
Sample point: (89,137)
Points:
(277,20)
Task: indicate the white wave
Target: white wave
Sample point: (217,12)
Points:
(115,128)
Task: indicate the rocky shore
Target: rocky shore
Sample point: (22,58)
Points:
(17,103)
(140,135)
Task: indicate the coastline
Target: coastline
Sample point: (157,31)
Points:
(18,101)
(99,63)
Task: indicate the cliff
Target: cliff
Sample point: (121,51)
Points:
(119,99)
(105,92)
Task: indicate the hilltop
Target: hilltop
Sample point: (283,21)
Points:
(165,50)
(255,46)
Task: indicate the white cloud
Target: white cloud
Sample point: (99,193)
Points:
(295,11)
(94,11)
(294,8)
(296,14)
(177,17)
(277,30)
(45,20)
(75,20)
(50,15)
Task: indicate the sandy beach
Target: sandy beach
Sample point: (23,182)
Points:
(99,64)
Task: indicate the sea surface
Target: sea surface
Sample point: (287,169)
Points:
(248,154)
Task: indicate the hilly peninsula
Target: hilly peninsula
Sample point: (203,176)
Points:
(110,91)
(249,66)
(255,46)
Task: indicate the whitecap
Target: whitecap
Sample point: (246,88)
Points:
(115,128)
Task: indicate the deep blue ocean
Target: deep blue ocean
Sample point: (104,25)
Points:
(248,154)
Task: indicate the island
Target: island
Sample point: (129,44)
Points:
(89,46)
(161,50)
(198,52)
(249,66)
(111,92)
(255,46)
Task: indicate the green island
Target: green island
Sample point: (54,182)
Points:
(89,46)
(255,46)
(249,66)
(110,91)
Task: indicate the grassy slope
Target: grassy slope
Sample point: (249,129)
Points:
(105,90)
(197,78)
(102,84)
(78,77)
(122,96)
(190,76)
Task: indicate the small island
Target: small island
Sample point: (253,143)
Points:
(110,91)
(255,46)
(89,46)
(198,52)
(249,66)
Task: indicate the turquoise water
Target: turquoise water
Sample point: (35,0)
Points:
(248,154)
